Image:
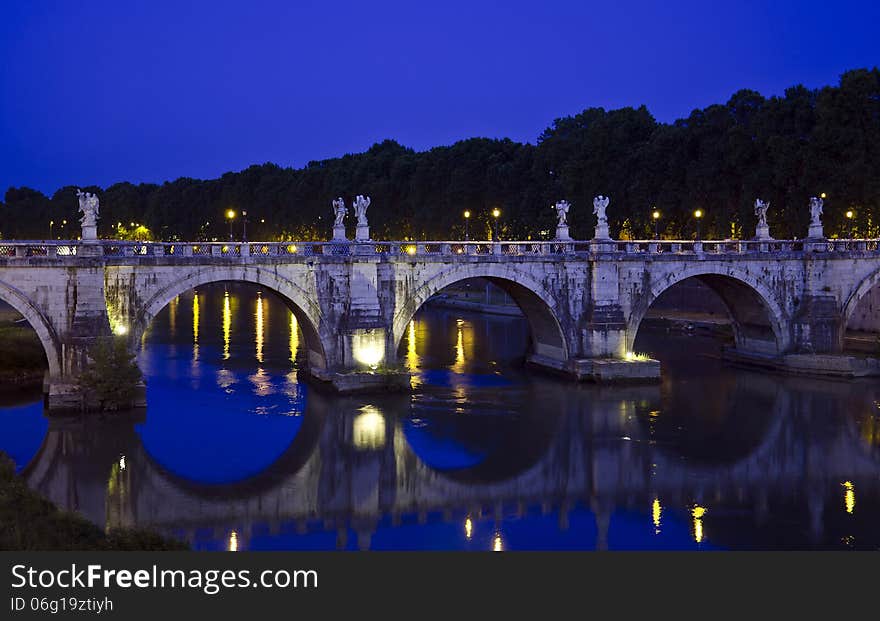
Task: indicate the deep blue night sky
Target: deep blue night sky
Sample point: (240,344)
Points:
(96,92)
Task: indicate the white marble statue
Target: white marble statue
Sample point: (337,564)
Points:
(88,205)
(339,211)
(600,204)
(360,209)
(816,205)
(761,208)
(562,208)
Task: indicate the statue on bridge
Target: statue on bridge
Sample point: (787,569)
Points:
(816,231)
(339,213)
(762,231)
(562,208)
(600,204)
(88,205)
(361,203)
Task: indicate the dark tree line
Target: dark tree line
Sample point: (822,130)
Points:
(719,159)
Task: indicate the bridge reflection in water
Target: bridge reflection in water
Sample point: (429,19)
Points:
(481,456)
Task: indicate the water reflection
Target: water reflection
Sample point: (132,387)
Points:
(482,457)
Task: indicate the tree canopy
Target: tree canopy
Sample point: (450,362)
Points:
(719,159)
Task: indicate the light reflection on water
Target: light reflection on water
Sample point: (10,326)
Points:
(234,452)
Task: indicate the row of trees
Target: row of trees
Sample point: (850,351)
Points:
(719,159)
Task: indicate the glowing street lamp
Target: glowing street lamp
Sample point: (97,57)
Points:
(51,224)
(698,214)
(467,219)
(850,215)
(656,217)
(244,226)
(230,215)
(496,213)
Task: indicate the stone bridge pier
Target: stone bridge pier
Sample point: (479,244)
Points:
(788,302)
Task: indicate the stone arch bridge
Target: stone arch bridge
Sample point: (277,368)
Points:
(789,301)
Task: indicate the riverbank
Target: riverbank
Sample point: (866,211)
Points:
(30,522)
(22,360)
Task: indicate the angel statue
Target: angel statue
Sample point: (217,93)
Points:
(88,205)
(816,211)
(600,204)
(360,209)
(761,208)
(562,208)
(339,211)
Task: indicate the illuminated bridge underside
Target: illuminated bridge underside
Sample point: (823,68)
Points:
(789,302)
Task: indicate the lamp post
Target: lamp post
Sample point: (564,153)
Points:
(850,216)
(496,213)
(467,219)
(51,224)
(244,226)
(230,215)
(698,214)
(656,217)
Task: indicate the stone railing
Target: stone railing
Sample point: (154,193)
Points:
(111,249)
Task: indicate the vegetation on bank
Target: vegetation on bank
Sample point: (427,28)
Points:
(112,378)
(22,360)
(30,522)
(783,149)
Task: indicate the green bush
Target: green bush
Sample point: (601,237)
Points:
(112,378)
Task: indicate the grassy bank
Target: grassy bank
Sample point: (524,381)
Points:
(22,360)
(30,522)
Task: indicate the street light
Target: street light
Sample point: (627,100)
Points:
(850,216)
(51,223)
(496,213)
(698,214)
(230,215)
(244,226)
(467,219)
(656,216)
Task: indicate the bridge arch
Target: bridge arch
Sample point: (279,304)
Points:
(308,313)
(41,325)
(861,290)
(548,337)
(747,300)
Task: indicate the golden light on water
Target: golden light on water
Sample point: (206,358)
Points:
(259,327)
(196,319)
(656,512)
(698,513)
(172,316)
(233,541)
(497,545)
(412,358)
(227,324)
(368,429)
(468,528)
(849,496)
(294,337)
(460,355)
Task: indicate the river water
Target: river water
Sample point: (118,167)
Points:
(235,452)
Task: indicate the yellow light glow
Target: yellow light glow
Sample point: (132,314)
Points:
(368,429)
(227,324)
(120,330)
(230,214)
(497,544)
(233,541)
(656,512)
(259,327)
(412,358)
(468,528)
(368,348)
(410,250)
(196,319)
(698,213)
(849,496)
(656,215)
(291,249)
(294,337)
(467,213)
(496,212)
(822,195)
(849,214)
(633,356)
(698,513)
(460,358)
